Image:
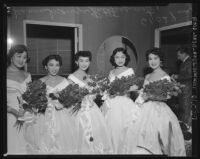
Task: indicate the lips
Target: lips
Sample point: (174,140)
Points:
(54,72)
(84,67)
(120,63)
(20,65)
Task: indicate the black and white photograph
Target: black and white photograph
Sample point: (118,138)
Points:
(100,79)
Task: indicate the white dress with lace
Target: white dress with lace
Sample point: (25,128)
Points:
(93,136)
(16,143)
(120,113)
(157,130)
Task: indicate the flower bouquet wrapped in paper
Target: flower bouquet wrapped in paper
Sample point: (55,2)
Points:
(33,101)
(161,90)
(71,96)
(99,84)
(121,86)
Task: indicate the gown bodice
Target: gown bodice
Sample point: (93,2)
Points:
(16,89)
(125,73)
(146,82)
(77,81)
(58,87)
(140,99)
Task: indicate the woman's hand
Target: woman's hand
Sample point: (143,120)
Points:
(133,88)
(57,104)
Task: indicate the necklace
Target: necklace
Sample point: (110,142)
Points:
(52,79)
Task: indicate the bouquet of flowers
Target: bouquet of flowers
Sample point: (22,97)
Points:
(99,84)
(121,86)
(71,96)
(161,90)
(33,100)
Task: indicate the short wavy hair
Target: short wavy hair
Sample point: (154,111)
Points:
(16,49)
(83,54)
(155,51)
(115,51)
(52,57)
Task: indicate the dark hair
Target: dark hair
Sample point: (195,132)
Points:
(16,49)
(183,49)
(115,51)
(155,51)
(52,57)
(83,54)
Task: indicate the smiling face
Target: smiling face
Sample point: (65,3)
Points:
(19,59)
(53,67)
(120,58)
(154,61)
(83,63)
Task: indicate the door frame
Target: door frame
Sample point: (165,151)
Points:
(158,30)
(78,34)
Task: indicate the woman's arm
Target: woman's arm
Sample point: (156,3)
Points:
(15,112)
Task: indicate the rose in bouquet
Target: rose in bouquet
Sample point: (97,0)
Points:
(71,96)
(35,97)
(162,90)
(99,84)
(33,101)
(121,86)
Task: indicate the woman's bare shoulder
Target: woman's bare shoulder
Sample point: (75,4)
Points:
(43,79)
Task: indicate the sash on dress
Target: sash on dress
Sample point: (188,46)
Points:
(84,113)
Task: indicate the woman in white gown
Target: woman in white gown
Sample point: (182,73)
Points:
(17,79)
(54,131)
(93,136)
(157,130)
(120,112)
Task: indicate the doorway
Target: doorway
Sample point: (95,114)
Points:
(45,38)
(169,38)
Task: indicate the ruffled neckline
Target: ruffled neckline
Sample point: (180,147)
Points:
(76,80)
(164,77)
(125,73)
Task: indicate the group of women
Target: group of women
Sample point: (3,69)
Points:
(119,126)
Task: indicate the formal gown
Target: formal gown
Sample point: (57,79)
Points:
(54,131)
(156,131)
(120,113)
(16,143)
(93,136)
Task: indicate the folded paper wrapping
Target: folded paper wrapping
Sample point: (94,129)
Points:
(27,118)
(140,99)
(87,102)
(56,104)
